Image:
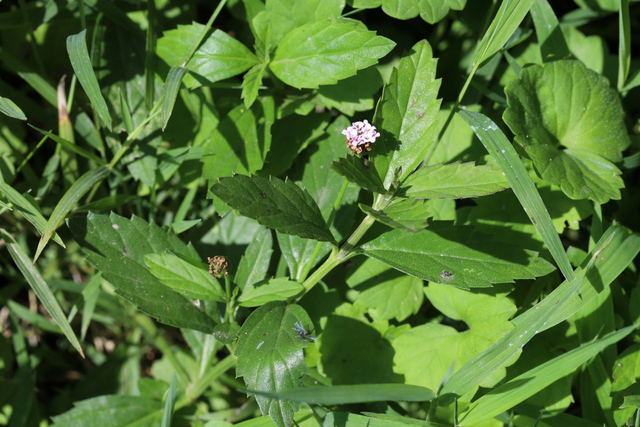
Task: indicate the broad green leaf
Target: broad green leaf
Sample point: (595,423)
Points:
(359,393)
(251,84)
(111,411)
(457,256)
(454,181)
(68,201)
(387,293)
(117,247)
(403,214)
(626,368)
(324,52)
(280,205)
(504,24)
(352,94)
(220,56)
(28,210)
(277,289)
(324,185)
(170,92)
(509,162)
(425,353)
(40,287)
(431,11)
(270,356)
(254,263)
(169,404)
(81,63)
(184,278)
(570,123)
(518,389)
(353,168)
(406,115)
(9,108)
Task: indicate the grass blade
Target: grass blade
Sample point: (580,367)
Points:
(79,56)
(9,108)
(170,403)
(552,42)
(526,385)
(68,201)
(171,88)
(624,47)
(508,160)
(40,287)
(71,146)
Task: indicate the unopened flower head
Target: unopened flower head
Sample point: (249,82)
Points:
(360,136)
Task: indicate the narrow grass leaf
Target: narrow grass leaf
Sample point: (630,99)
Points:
(90,295)
(71,146)
(508,160)
(526,385)
(35,319)
(360,393)
(79,57)
(170,403)
(9,108)
(171,88)
(27,210)
(68,201)
(506,21)
(552,42)
(126,112)
(40,287)
(624,44)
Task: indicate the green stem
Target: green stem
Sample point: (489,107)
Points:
(206,29)
(195,391)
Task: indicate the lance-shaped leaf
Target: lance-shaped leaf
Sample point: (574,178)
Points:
(251,84)
(117,247)
(406,115)
(321,53)
(354,169)
(454,181)
(277,289)
(9,108)
(125,411)
(170,92)
(270,355)
(569,121)
(280,205)
(403,214)
(254,263)
(457,256)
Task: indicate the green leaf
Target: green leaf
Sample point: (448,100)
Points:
(548,32)
(81,63)
(504,24)
(523,386)
(280,205)
(254,263)
(403,214)
(251,84)
(170,92)
(425,353)
(117,247)
(71,146)
(509,162)
(352,94)
(40,287)
(359,393)
(406,115)
(169,404)
(27,209)
(353,168)
(111,411)
(431,11)
(68,201)
(35,319)
(219,57)
(624,44)
(570,123)
(9,108)
(277,289)
(184,278)
(270,356)
(324,52)
(454,181)
(456,256)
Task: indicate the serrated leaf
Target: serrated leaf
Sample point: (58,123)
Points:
(184,278)
(570,122)
(251,84)
(81,63)
(270,356)
(425,353)
(220,56)
(9,108)
(454,181)
(254,263)
(406,115)
(110,411)
(276,289)
(280,205)
(117,247)
(403,214)
(456,256)
(354,169)
(324,52)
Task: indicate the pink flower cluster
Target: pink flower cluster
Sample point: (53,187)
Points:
(360,136)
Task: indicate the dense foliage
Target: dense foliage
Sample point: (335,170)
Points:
(186,238)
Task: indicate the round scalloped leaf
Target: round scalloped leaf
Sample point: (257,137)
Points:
(569,121)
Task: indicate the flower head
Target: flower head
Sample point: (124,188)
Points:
(360,136)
